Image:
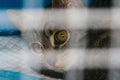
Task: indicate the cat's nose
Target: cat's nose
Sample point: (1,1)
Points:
(60,63)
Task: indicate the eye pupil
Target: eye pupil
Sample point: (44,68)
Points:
(62,35)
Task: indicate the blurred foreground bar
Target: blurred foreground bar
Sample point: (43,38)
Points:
(6,26)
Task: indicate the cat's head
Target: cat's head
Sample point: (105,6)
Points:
(50,40)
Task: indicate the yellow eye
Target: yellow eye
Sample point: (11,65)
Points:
(61,36)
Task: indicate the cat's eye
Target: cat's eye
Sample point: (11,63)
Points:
(60,36)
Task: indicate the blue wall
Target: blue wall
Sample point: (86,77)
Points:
(8,4)
(19,4)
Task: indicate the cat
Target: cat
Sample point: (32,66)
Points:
(53,42)
(49,41)
(49,37)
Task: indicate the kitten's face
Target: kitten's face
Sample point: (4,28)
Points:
(51,41)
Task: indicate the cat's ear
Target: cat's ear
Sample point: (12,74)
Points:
(17,19)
